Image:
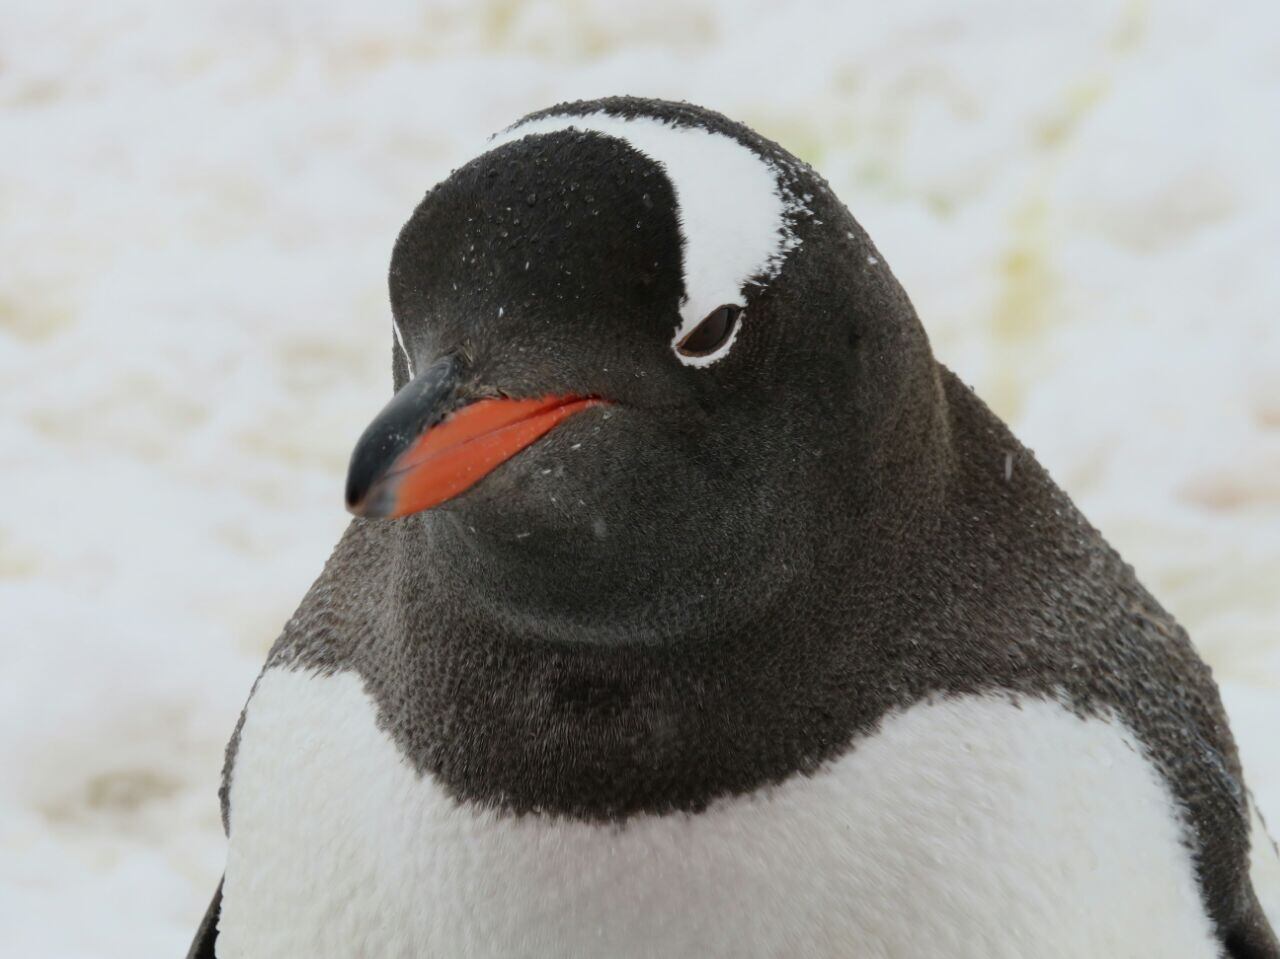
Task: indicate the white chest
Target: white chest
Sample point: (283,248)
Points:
(965,828)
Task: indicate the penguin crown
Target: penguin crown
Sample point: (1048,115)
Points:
(734,209)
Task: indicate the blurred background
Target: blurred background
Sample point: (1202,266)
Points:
(197,206)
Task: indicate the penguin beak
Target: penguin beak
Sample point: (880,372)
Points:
(424,449)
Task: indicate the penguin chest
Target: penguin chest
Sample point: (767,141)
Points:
(965,827)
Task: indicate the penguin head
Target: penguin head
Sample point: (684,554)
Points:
(644,360)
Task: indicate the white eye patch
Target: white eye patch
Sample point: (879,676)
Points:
(730,206)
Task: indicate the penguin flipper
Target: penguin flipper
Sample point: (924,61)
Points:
(1252,938)
(207,933)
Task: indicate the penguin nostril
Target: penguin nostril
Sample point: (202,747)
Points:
(712,333)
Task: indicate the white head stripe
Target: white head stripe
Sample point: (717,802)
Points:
(730,205)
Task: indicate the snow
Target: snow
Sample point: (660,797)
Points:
(197,205)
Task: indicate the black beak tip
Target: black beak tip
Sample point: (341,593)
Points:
(379,505)
(357,487)
(369,494)
(366,495)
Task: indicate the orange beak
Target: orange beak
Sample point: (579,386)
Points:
(465,448)
(405,462)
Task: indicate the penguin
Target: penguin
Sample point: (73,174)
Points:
(692,608)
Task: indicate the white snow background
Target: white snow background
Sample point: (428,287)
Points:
(197,205)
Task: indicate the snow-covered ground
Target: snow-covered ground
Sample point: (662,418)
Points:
(197,204)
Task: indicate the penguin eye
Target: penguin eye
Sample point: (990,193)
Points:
(712,333)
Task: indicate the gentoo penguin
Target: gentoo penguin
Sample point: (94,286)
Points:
(692,609)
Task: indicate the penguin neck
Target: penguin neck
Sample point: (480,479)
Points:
(604,730)
(533,708)
(862,519)
(570,590)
